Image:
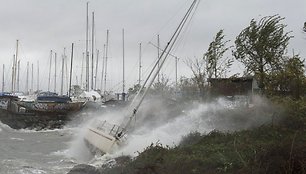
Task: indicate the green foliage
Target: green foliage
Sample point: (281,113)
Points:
(211,65)
(190,139)
(294,115)
(289,79)
(261,46)
(216,66)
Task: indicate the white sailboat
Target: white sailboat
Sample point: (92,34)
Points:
(104,137)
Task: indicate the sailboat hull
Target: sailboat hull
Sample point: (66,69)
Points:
(99,141)
(52,107)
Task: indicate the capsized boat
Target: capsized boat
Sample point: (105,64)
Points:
(104,137)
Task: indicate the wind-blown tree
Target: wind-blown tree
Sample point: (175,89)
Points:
(289,79)
(261,47)
(216,65)
(294,70)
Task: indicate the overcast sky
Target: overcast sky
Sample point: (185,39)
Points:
(44,25)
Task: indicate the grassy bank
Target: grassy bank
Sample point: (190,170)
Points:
(273,148)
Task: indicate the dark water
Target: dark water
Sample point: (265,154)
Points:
(34,152)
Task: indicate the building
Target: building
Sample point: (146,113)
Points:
(233,86)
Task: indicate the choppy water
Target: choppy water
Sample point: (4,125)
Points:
(31,152)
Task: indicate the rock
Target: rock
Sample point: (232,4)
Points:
(83,169)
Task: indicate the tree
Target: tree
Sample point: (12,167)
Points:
(162,86)
(290,78)
(216,66)
(188,88)
(197,67)
(261,46)
(294,68)
(304,29)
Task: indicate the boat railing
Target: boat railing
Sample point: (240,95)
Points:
(110,129)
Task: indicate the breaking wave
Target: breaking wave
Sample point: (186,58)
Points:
(166,122)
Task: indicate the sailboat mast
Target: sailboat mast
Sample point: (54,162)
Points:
(123,70)
(69,90)
(82,67)
(32,79)
(92,49)
(15,66)
(164,56)
(176,60)
(62,79)
(66,71)
(103,61)
(87,56)
(3,70)
(38,76)
(13,72)
(49,81)
(55,72)
(139,71)
(18,73)
(106,52)
(158,76)
(97,64)
(27,81)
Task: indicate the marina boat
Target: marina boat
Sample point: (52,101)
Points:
(52,103)
(104,137)
(42,113)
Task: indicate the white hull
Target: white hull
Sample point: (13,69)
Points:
(100,140)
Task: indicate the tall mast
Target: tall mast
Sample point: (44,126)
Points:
(82,67)
(38,76)
(176,60)
(106,52)
(15,67)
(164,54)
(92,49)
(32,79)
(123,78)
(103,65)
(139,71)
(3,70)
(97,64)
(49,81)
(87,56)
(18,73)
(55,72)
(13,73)
(27,80)
(69,90)
(158,76)
(66,70)
(62,79)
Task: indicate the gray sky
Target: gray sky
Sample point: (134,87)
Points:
(42,25)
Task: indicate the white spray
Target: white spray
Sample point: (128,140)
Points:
(166,121)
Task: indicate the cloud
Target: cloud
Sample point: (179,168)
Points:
(44,25)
